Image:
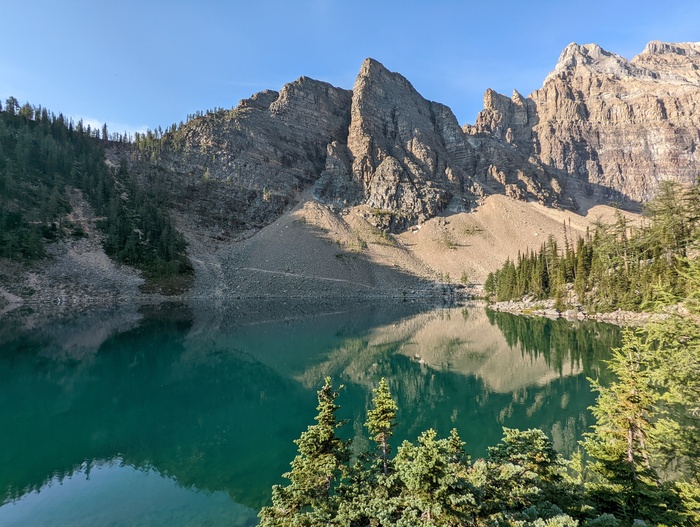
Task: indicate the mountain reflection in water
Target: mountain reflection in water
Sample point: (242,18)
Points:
(211,397)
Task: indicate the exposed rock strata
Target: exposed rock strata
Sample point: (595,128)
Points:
(382,158)
(412,160)
(236,170)
(409,154)
(611,129)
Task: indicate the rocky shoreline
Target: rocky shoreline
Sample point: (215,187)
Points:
(545,308)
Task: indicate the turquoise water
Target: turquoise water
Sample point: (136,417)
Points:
(174,415)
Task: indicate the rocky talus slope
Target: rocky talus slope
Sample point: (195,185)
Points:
(610,128)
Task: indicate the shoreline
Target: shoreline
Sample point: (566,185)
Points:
(545,308)
(439,295)
(435,292)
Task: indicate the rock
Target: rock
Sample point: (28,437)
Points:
(336,186)
(602,128)
(249,163)
(409,154)
(414,161)
(608,128)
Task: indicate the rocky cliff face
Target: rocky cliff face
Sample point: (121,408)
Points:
(408,154)
(609,128)
(409,160)
(237,170)
(382,145)
(274,140)
(601,128)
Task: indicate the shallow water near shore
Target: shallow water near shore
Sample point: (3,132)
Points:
(185,414)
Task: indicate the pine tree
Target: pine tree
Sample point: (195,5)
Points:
(381,422)
(309,499)
(581,270)
(435,490)
(675,371)
(526,469)
(490,284)
(627,485)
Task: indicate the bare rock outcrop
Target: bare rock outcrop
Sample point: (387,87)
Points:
(412,160)
(382,145)
(240,169)
(610,128)
(408,156)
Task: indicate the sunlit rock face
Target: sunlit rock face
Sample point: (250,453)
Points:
(602,128)
(613,128)
(410,156)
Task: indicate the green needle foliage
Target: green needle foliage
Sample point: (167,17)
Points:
(381,422)
(523,481)
(639,464)
(645,447)
(309,498)
(628,486)
(615,266)
(42,157)
(432,477)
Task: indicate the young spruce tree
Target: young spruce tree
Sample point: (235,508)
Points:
(381,422)
(627,485)
(309,499)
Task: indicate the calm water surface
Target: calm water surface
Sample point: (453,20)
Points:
(174,415)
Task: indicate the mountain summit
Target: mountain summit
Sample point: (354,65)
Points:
(611,128)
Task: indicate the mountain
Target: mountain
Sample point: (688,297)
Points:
(319,191)
(382,144)
(610,128)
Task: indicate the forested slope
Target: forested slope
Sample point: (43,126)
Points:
(616,265)
(41,156)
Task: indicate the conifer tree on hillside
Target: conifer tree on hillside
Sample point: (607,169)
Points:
(617,266)
(42,157)
(433,482)
(624,414)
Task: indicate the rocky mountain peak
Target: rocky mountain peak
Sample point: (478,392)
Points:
(591,59)
(375,77)
(371,67)
(408,154)
(656,47)
(611,128)
(413,160)
(676,63)
(258,101)
(602,128)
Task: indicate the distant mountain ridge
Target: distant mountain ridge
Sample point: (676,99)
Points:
(601,128)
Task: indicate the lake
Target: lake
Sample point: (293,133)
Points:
(180,415)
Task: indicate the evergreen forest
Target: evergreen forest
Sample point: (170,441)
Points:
(43,157)
(617,265)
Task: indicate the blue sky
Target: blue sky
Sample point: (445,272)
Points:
(144,63)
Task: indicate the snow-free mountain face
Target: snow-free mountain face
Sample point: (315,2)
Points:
(601,128)
(612,128)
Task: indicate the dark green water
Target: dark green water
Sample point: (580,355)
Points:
(179,415)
